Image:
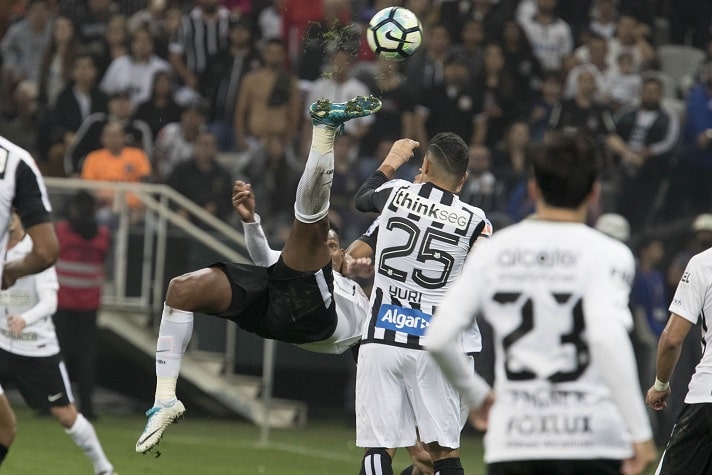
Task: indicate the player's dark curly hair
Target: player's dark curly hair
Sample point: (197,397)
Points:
(450,153)
(565,167)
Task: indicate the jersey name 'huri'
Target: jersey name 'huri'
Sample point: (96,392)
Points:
(431,209)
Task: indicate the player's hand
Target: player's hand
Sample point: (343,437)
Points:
(16,324)
(243,200)
(479,416)
(401,151)
(644,454)
(657,400)
(358,267)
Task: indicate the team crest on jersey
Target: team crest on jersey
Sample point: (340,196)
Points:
(430,209)
(406,320)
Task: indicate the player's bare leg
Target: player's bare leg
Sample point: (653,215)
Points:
(305,249)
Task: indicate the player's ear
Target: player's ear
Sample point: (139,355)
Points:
(462,182)
(595,194)
(533,190)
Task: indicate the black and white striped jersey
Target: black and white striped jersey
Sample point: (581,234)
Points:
(424,236)
(200,41)
(21,188)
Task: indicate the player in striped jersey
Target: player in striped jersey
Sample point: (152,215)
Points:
(555,292)
(424,235)
(22,189)
(689,450)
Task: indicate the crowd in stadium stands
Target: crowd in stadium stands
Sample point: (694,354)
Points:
(210,89)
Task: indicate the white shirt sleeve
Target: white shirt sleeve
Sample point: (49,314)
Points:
(608,319)
(46,286)
(257,244)
(454,316)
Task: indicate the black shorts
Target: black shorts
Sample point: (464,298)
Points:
(42,380)
(280,303)
(689,450)
(556,467)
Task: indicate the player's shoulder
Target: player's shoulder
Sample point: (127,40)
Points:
(702,260)
(13,152)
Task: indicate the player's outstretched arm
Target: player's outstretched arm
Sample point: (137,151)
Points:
(44,253)
(669,348)
(243,201)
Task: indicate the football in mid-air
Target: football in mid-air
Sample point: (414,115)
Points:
(394,33)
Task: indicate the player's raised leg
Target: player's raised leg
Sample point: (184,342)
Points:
(305,249)
(206,290)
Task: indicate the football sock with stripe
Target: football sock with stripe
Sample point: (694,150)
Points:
(314,188)
(173,337)
(408,470)
(84,435)
(376,462)
(448,466)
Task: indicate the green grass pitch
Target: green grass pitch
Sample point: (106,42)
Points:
(203,446)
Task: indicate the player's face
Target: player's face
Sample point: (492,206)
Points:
(335,251)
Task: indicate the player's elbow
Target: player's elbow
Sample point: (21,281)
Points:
(670,341)
(46,253)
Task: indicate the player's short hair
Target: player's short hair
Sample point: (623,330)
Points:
(449,153)
(565,167)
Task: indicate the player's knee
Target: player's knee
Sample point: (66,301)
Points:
(182,291)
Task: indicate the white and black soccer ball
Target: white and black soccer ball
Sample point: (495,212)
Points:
(394,33)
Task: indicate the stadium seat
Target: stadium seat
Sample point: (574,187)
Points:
(680,62)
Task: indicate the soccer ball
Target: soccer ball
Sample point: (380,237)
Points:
(394,33)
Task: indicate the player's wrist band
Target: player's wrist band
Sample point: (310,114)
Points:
(660,386)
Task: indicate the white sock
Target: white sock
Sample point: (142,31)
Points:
(84,435)
(314,189)
(173,337)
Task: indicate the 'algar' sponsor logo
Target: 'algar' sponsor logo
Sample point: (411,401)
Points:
(431,209)
(407,320)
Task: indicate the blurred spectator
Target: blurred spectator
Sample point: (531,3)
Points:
(649,302)
(227,72)
(582,112)
(488,14)
(690,18)
(594,53)
(203,180)
(174,143)
(56,65)
(351,222)
(691,191)
(470,45)
(88,137)
(116,162)
(160,109)
(79,99)
(549,97)
(114,44)
(572,82)
(92,24)
(268,101)
(630,38)
(425,69)
(396,117)
(83,249)
(274,172)
(322,38)
(645,139)
(482,188)
(501,98)
(134,72)
(623,85)
(269,21)
(20,50)
(550,36)
(451,106)
(298,15)
(338,86)
(509,161)
(150,18)
(519,59)
(202,35)
(604,18)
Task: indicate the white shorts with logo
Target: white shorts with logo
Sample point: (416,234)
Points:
(399,389)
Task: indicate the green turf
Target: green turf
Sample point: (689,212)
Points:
(200,446)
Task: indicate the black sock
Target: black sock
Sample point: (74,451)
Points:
(408,470)
(376,458)
(3,452)
(449,466)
